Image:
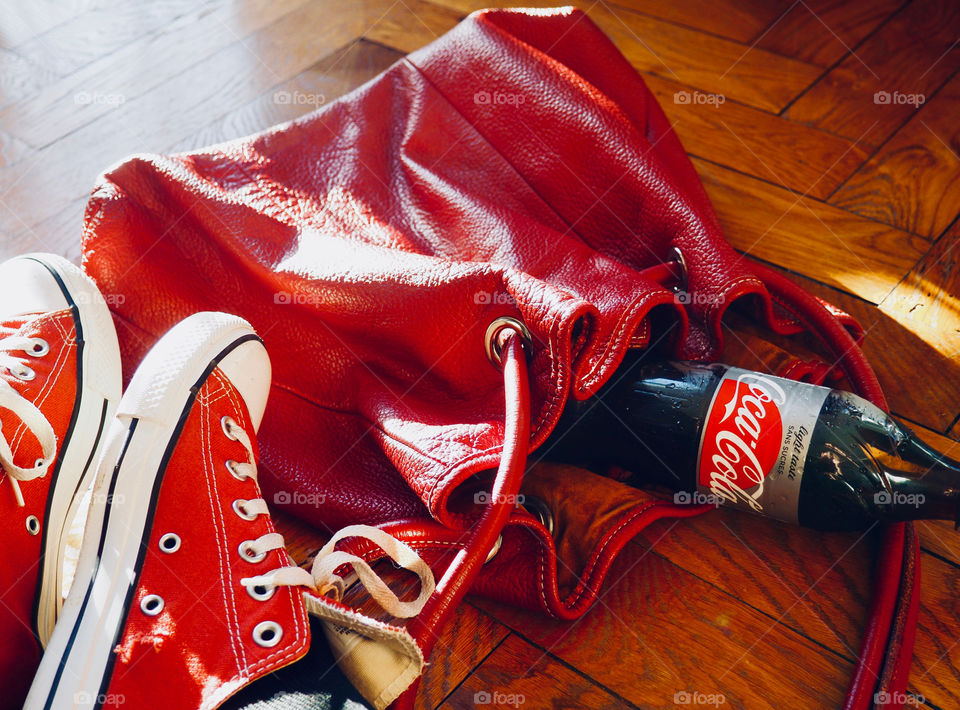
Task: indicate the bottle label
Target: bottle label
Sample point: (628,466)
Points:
(755,442)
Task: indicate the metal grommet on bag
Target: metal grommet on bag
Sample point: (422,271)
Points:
(491,339)
(539,509)
(495,549)
(676,255)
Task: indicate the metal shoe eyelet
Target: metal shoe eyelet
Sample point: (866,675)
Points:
(491,339)
(40,348)
(39,462)
(33,524)
(227,423)
(235,472)
(240,508)
(170,543)
(267,634)
(23,373)
(151,604)
(261,592)
(249,554)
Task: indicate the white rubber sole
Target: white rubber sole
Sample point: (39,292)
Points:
(98,389)
(76,668)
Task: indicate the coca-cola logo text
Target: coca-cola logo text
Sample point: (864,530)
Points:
(741,438)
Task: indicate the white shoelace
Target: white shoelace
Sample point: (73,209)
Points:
(323,578)
(32,418)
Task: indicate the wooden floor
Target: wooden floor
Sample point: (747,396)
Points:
(809,169)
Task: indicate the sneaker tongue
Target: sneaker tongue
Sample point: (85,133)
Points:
(11,324)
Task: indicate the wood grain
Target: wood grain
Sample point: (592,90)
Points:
(911,55)
(655,618)
(913,182)
(719,66)
(462,646)
(920,383)
(935,673)
(59,234)
(808,236)
(822,31)
(101,30)
(757,143)
(407,26)
(20,22)
(227,80)
(104,87)
(741,21)
(857,200)
(11,150)
(814,583)
(927,301)
(313,88)
(519,674)
(20,78)
(818,584)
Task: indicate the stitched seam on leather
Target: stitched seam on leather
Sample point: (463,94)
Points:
(543,580)
(440,483)
(788,306)
(722,299)
(807,327)
(783,321)
(574,599)
(608,349)
(786,372)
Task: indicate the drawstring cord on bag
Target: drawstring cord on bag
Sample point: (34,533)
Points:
(505,346)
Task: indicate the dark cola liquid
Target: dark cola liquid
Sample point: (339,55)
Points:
(821,458)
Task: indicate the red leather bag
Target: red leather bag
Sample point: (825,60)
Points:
(436,262)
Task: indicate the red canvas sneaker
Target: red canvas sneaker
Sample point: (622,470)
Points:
(59,386)
(159,615)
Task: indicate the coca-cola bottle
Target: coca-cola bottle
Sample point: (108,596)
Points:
(819,457)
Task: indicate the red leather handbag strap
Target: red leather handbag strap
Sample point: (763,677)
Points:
(886,651)
(459,576)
